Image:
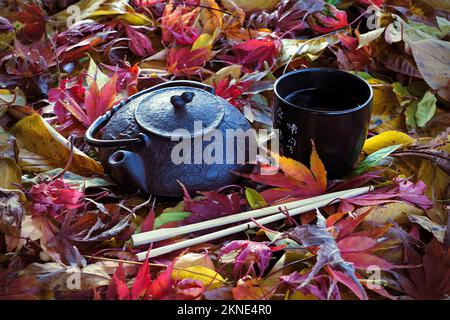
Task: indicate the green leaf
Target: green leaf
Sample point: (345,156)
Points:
(402,93)
(410,114)
(373,159)
(167,217)
(425,109)
(255,200)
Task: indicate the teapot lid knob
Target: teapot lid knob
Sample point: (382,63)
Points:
(164,112)
(181,101)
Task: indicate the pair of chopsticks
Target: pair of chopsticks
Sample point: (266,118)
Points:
(271,214)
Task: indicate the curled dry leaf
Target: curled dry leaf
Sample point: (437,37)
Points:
(34,134)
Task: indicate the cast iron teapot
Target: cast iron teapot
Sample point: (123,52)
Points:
(143,133)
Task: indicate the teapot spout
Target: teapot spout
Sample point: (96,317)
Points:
(127,169)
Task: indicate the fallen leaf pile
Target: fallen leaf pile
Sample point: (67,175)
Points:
(65,227)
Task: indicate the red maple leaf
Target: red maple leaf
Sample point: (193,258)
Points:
(185,61)
(231,90)
(34,20)
(255,53)
(431,280)
(77,107)
(143,288)
(213,205)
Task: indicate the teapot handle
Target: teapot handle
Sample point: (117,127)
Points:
(103,120)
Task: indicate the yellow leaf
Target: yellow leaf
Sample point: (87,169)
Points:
(210,17)
(137,19)
(191,259)
(394,211)
(210,278)
(386,139)
(292,49)
(234,71)
(298,295)
(86,7)
(205,40)
(34,134)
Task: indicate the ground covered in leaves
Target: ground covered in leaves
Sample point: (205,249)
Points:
(65,228)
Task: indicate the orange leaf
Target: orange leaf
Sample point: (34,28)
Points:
(297,170)
(318,169)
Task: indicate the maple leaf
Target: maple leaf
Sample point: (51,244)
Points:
(311,236)
(51,198)
(297,181)
(143,287)
(431,280)
(321,287)
(255,53)
(97,101)
(185,61)
(77,107)
(248,253)
(34,20)
(289,16)
(402,189)
(177,24)
(127,77)
(213,205)
(231,90)
(328,19)
(139,43)
(29,61)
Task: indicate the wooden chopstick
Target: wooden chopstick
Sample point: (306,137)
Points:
(168,233)
(249,225)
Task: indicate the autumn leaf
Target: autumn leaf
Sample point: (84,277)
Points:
(34,20)
(178,26)
(12,212)
(327,20)
(97,101)
(212,205)
(34,134)
(139,43)
(255,53)
(402,189)
(248,253)
(184,61)
(386,139)
(296,181)
(430,281)
(10,173)
(208,277)
(77,107)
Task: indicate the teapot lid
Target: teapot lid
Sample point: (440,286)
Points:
(165,111)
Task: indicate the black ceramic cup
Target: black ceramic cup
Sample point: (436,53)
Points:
(330,107)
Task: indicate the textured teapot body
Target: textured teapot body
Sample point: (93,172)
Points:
(149,165)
